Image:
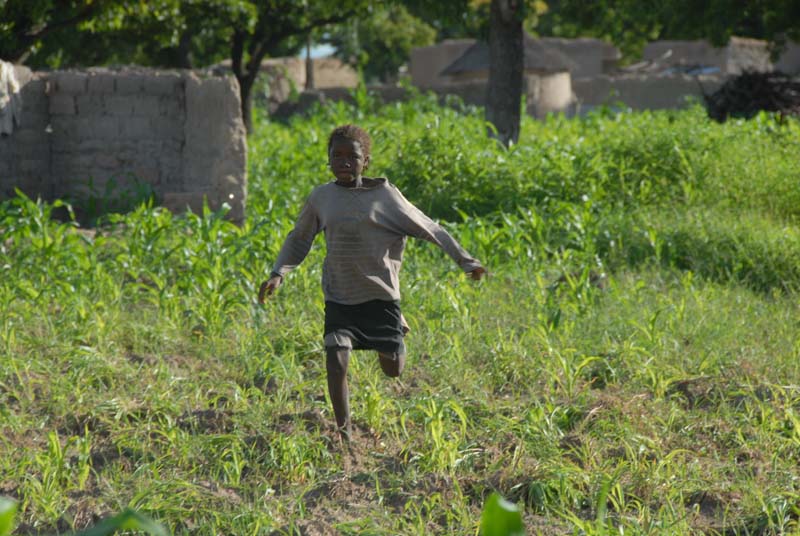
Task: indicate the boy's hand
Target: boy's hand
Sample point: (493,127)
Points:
(268,287)
(478,273)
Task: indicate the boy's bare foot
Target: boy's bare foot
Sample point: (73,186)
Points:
(345,433)
(345,448)
(478,273)
(347,463)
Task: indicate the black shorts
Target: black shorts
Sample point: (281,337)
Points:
(373,325)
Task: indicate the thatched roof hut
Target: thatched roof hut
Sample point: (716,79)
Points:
(546,76)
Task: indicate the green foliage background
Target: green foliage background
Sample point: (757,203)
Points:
(632,363)
(170,33)
(380,41)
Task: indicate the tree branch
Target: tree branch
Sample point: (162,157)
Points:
(237,51)
(28,36)
(259,48)
(333,19)
(32,34)
(261,42)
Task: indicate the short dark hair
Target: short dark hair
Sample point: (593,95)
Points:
(353,133)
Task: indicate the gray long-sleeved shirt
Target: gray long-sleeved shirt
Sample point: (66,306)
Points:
(365,231)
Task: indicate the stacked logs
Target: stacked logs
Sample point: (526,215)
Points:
(751,92)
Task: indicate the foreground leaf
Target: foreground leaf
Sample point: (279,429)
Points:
(501,518)
(126,520)
(8,509)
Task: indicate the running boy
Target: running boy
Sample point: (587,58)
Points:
(366,222)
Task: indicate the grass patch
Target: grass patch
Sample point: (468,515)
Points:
(632,365)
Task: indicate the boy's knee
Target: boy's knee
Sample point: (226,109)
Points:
(336,360)
(392,364)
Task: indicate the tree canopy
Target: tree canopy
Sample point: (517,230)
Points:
(377,35)
(25,24)
(630,24)
(192,33)
(170,33)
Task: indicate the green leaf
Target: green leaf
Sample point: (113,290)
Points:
(8,509)
(501,518)
(126,520)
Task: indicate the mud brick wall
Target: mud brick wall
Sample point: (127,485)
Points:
(643,92)
(179,133)
(25,155)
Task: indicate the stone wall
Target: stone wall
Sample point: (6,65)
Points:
(789,60)
(641,91)
(554,94)
(740,54)
(543,93)
(559,93)
(25,155)
(179,134)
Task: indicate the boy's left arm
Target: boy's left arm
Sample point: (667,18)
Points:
(417,224)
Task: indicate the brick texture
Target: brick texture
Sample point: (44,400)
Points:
(179,133)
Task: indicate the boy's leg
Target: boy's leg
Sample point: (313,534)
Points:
(392,364)
(336,362)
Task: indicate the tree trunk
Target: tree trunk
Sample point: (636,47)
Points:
(506,63)
(179,56)
(246,79)
(309,65)
(264,40)
(246,75)
(183,53)
(245,91)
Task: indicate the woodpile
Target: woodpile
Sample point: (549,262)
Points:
(751,92)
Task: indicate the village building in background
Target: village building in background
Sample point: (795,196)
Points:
(671,74)
(427,63)
(546,75)
(700,57)
(590,56)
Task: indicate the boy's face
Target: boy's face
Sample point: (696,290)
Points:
(347,159)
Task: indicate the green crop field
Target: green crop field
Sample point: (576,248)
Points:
(632,365)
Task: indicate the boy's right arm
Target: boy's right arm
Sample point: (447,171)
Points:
(295,248)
